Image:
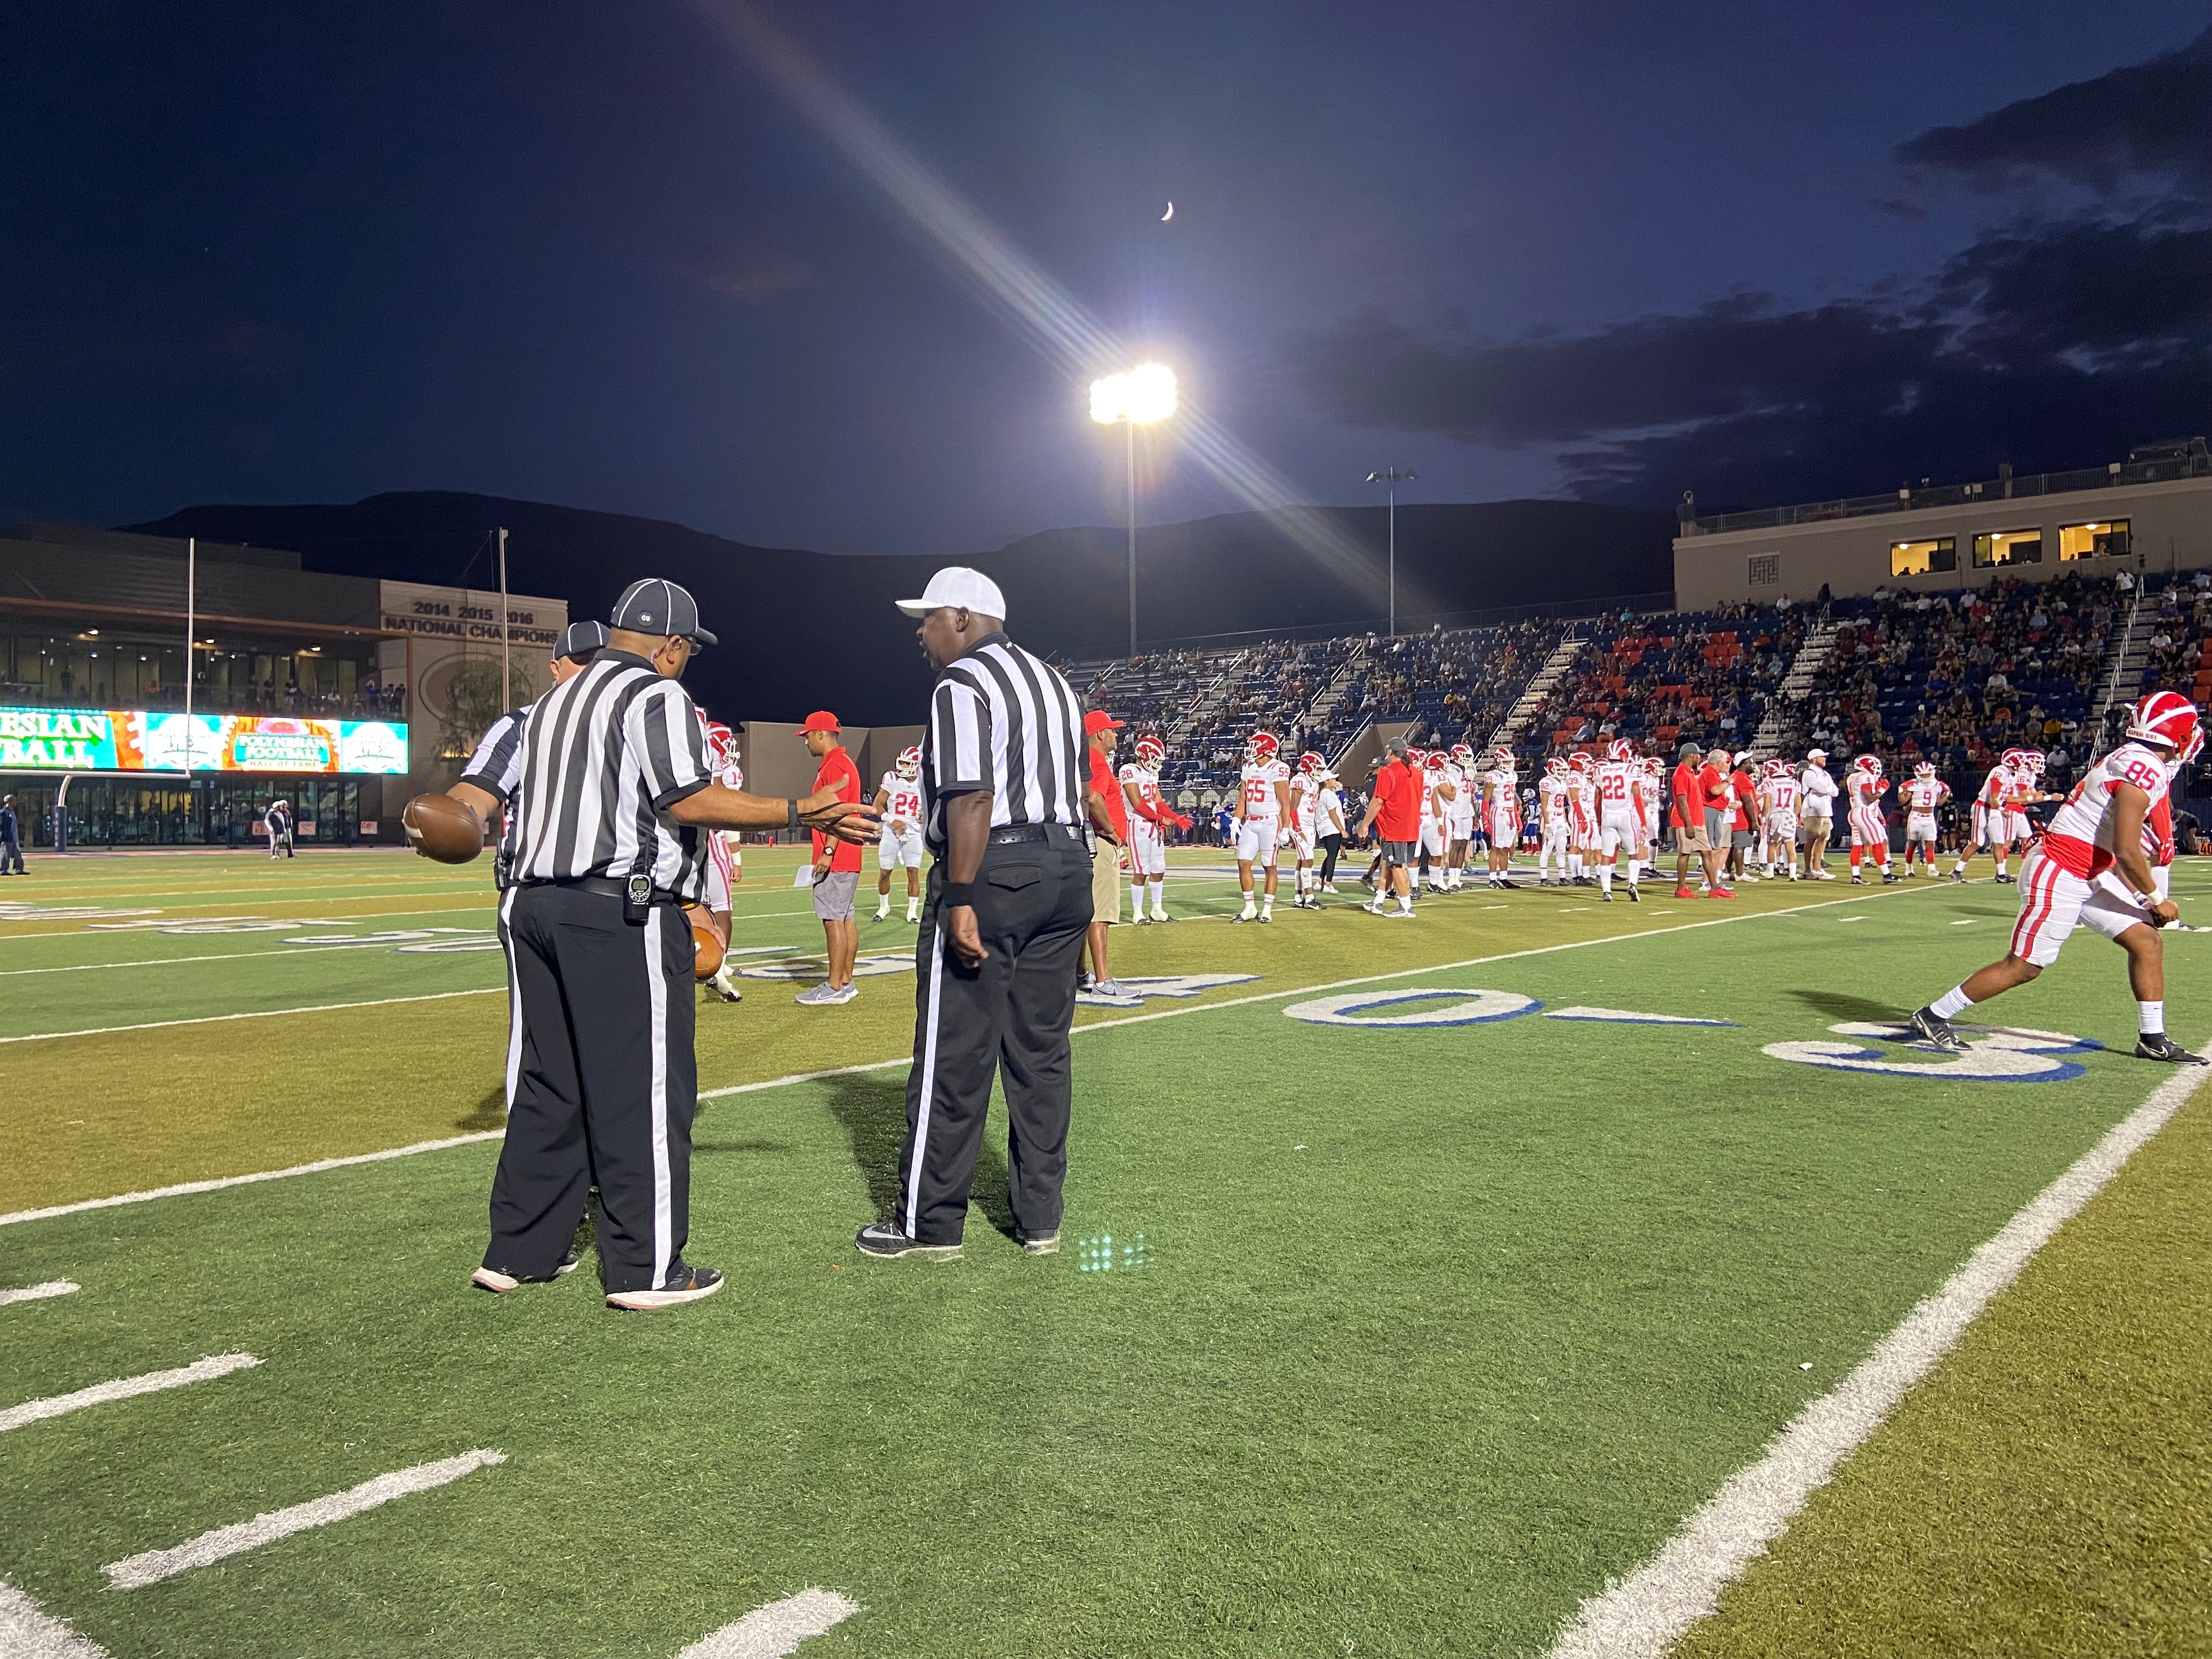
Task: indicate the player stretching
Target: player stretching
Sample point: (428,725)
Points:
(1263,807)
(1305,818)
(1922,796)
(1553,791)
(898,798)
(1620,817)
(2090,868)
(1149,817)
(1866,785)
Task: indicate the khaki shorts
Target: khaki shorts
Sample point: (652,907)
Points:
(1105,881)
(1691,841)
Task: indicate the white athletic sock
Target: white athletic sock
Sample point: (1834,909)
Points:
(1605,878)
(1405,902)
(1951,1003)
(2151,1018)
(914,909)
(1160,899)
(2001,866)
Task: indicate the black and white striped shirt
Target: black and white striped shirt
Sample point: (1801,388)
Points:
(605,754)
(495,768)
(1003,720)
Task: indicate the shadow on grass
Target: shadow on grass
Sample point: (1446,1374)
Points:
(872,1111)
(739,1146)
(1841,1005)
(490,1113)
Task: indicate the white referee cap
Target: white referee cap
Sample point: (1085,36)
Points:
(962,588)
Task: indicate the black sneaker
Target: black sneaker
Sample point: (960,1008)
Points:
(2156,1045)
(2009,881)
(1039,1243)
(1632,897)
(1959,876)
(1930,1028)
(685,1283)
(881,1239)
(499,1281)
(1890,878)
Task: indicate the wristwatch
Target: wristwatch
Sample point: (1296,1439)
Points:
(793,802)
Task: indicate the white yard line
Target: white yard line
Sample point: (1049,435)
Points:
(27,1631)
(258,1013)
(53,1287)
(81,932)
(136,1571)
(773,1631)
(217,1183)
(124,1388)
(1644,1615)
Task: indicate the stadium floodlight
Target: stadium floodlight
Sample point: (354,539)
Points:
(1143,395)
(1392,477)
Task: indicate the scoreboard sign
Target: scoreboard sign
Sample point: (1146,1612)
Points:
(135,740)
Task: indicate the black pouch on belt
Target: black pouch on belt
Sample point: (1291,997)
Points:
(637,891)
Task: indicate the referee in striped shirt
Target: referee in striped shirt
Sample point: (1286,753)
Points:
(604,845)
(1009,905)
(489,781)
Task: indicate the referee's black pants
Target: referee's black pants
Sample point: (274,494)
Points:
(601,1085)
(1011,1013)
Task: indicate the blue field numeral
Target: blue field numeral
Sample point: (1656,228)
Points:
(1100,1255)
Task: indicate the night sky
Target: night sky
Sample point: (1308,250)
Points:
(603,256)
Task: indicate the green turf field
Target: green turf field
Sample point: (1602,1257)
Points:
(1416,1335)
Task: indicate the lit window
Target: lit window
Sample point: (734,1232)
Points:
(2007,547)
(1918,558)
(2106,540)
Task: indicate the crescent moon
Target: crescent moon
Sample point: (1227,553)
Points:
(1169,215)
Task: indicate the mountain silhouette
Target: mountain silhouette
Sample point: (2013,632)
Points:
(802,630)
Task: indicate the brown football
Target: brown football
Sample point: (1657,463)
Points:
(707,949)
(439,827)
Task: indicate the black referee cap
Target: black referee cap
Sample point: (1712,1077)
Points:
(581,639)
(653,605)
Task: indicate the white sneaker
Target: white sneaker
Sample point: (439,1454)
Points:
(824,995)
(848,993)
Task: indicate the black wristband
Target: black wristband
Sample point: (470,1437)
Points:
(958,892)
(793,804)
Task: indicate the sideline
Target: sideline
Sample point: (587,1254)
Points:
(1645,1614)
(255,1013)
(217,1183)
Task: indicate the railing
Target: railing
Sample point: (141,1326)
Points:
(2195,465)
(1638,604)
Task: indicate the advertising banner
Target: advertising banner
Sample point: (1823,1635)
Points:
(134,740)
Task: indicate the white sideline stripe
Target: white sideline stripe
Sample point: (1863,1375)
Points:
(1643,1615)
(256,1013)
(40,1292)
(124,1388)
(218,1183)
(136,1571)
(359,916)
(772,1631)
(183,1188)
(27,1631)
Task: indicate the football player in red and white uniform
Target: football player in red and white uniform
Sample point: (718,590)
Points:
(1582,816)
(2097,829)
(1501,812)
(1921,798)
(1554,811)
(1459,822)
(1985,817)
(1149,815)
(898,798)
(1263,811)
(1779,794)
(1305,799)
(1436,797)
(1654,787)
(726,861)
(1619,783)
(1865,785)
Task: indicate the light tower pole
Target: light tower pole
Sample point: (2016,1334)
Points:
(1391,477)
(1145,394)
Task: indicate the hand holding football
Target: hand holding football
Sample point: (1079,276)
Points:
(439,827)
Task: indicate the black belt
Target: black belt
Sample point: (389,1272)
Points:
(1007,834)
(608,887)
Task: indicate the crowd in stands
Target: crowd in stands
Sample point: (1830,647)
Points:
(370,702)
(1668,679)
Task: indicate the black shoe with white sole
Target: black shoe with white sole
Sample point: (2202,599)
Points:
(499,1281)
(885,1240)
(685,1283)
(1931,1027)
(1039,1243)
(2156,1045)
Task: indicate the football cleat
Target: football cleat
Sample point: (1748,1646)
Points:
(1932,1028)
(2156,1045)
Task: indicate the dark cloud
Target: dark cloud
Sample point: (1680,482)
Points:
(2146,120)
(2047,344)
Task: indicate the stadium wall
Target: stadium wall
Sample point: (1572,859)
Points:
(2170,528)
(777,763)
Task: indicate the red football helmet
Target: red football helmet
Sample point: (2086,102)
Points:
(1620,749)
(722,745)
(1264,746)
(1557,766)
(908,762)
(1925,769)
(1582,760)
(1462,754)
(1312,762)
(2166,717)
(1151,750)
(1434,759)
(1870,764)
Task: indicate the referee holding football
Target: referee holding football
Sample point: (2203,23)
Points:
(603,847)
(1009,904)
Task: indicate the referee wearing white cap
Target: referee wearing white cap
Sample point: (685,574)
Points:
(1003,782)
(603,846)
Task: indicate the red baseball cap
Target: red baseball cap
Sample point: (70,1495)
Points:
(820,721)
(1099,720)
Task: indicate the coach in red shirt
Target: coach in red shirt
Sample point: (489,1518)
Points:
(1393,812)
(836,864)
(1687,815)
